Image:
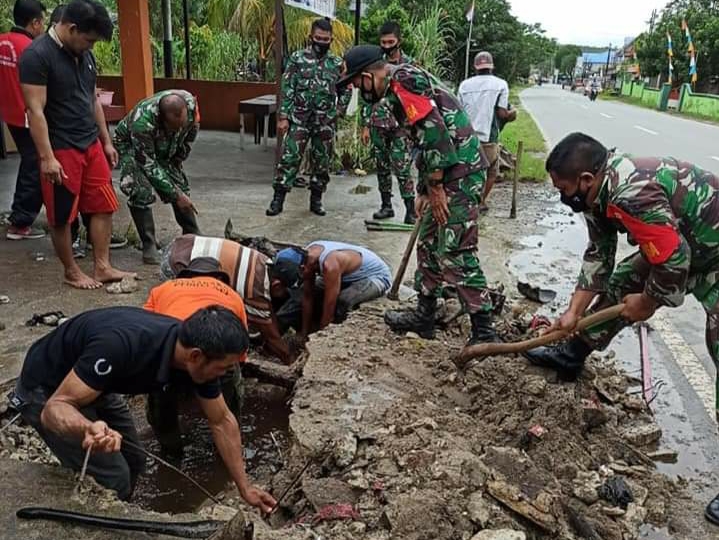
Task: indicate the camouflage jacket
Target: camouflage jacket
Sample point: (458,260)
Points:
(379,115)
(309,88)
(436,124)
(145,145)
(670,209)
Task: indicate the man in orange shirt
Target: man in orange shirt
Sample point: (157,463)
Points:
(200,285)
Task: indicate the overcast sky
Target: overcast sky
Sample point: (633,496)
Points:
(588,22)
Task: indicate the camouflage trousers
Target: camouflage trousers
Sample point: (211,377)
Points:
(630,276)
(138,189)
(392,153)
(321,139)
(448,254)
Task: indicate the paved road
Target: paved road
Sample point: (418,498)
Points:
(631,129)
(678,351)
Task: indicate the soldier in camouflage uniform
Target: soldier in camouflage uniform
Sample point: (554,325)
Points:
(669,208)
(153,141)
(308,113)
(390,143)
(451,175)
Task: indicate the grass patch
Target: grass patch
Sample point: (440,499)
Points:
(525,129)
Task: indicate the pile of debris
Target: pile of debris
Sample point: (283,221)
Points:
(403,446)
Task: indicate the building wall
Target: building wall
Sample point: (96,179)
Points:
(218,100)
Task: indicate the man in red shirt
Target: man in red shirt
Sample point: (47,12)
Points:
(29,17)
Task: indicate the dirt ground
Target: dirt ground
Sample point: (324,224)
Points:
(401,445)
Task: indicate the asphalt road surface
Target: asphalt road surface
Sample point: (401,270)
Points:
(678,352)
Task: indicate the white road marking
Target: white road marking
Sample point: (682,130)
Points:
(640,128)
(715,158)
(688,362)
(605,115)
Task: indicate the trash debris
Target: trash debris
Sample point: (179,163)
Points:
(126,286)
(332,512)
(4,299)
(536,294)
(51,318)
(617,492)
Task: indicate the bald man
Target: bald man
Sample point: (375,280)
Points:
(153,141)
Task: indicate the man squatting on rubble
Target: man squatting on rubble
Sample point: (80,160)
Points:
(670,209)
(451,176)
(71,385)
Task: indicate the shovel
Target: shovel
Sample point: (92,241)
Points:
(483,350)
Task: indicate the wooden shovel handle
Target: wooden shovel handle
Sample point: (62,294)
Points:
(490,349)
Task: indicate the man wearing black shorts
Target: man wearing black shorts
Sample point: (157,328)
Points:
(72,380)
(58,75)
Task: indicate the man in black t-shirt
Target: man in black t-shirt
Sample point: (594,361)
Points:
(72,380)
(58,75)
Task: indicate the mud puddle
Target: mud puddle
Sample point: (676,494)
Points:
(264,426)
(552,259)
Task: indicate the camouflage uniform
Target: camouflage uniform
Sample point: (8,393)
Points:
(311,103)
(670,209)
(442,131)
(151,158)
(390,145)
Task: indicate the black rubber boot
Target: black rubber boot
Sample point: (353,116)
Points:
(712,511)
(145,225)
(316,201)
(567,358)
(385,211)
(482,328)
(419,320)
(163,416)
(410,216)
(186,220)
(277,204)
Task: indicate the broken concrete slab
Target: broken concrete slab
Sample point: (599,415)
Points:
(500,534)
(643,435)
(322,492)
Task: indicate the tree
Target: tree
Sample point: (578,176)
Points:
(702,16)
(566,59)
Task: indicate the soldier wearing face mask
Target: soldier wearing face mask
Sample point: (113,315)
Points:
(308,114)
(390,144)
(452,171)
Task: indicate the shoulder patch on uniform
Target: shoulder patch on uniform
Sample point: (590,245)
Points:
(658,241)
(416,107)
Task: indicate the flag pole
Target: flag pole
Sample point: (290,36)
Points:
(469,40)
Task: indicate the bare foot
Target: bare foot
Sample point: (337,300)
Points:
(80,280)
(111,275)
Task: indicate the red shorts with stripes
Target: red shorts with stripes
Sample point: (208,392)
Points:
(87,188)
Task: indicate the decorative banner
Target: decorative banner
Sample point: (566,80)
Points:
(470,13)
(324,8)
(690,43)
(693,68)
(670,53)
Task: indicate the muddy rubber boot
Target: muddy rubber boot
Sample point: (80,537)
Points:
(410,216)
(277,204)
(482,328)
(186,220)
(386,211)
(316,201)
(145,225)
(419,320)
(567,358)
(712,511)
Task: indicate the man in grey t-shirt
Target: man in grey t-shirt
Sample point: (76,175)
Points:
(485,97)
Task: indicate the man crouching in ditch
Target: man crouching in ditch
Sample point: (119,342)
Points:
(72,380)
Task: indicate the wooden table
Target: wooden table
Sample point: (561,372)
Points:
(261,106)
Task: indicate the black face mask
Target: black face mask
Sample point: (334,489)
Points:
(320,48)
(577,202)
(370,96)
(389,51)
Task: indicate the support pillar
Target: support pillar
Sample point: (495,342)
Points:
(134,29)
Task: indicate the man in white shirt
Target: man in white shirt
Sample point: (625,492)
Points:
(485,97)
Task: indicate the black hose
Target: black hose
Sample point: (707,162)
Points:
(187,529)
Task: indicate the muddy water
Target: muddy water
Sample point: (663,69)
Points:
(551,259)
(163,490)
